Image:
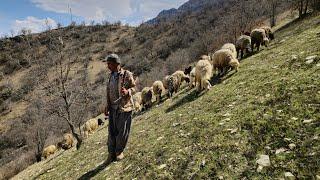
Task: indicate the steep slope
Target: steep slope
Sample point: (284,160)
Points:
(273,101)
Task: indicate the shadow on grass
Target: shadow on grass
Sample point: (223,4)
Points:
(193,95)
(95,171)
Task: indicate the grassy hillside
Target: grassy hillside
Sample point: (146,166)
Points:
(273,101)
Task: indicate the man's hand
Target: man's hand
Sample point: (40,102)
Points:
(124,91)
(106,112)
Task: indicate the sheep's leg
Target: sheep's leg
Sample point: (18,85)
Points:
(241,55)
(258,46)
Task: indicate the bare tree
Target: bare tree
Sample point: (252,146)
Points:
(67,98)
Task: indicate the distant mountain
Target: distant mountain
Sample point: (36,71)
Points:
(190,6)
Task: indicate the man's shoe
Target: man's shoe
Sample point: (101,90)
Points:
(120,156)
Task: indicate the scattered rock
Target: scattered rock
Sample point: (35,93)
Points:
(309,61)
(292,146)
(287,139)
(175,124)
(267,148)
(220,177)
(307,121)
(159,138)
(226,114)
(282,41)
(294,118)
(294,57)
(221,123)
(318,177)
(263,160)
(289,175)
(281,150)
(232,131)
(268,95)
(311,57)
(260,168)
(162,166)
(202,164)
(318,65)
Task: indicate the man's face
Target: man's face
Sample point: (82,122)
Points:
(112,66)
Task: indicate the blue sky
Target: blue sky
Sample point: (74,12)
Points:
(37,14)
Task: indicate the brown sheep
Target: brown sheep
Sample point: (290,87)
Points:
(91,125)
(258,37)
(67,142)
(158,89)
(51,149)
(243,45)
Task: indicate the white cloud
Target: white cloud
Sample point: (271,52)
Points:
(34,24)
(130,11)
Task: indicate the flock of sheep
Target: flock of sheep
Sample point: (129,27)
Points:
(68,140)
(199,76)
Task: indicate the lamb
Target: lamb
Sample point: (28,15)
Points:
(157,90)
(49,150)
(268,31)
(223,59)
(230,47)
(146,96)
(91,125)
(67,142)
(137,101)
(258,37)
(203,73)
(243,44)
(192,77)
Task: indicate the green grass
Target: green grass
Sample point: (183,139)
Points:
(222,132)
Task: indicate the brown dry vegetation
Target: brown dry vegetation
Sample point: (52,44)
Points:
(150,51)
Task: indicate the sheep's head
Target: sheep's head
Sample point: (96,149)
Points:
(186,79)
(265,42)
(271,36)
(60,145)
(187,70)
(234,63)
(100,122)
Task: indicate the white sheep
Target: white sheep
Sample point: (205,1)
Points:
(203,73)
(258,37)
(51,149)
(243,45)
(146,96)
(91,125)
(158,89)
(222,60)
(67,142)
(230,47)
